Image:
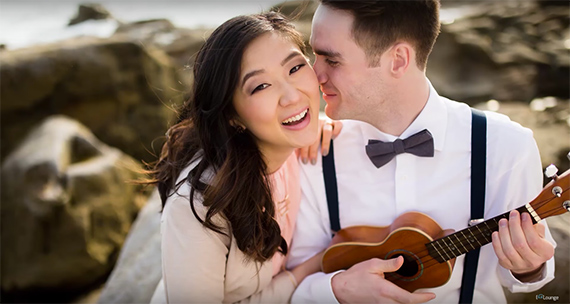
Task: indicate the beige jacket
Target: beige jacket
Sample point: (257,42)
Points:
(202,266)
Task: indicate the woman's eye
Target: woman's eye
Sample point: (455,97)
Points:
(296,68)
(260,87)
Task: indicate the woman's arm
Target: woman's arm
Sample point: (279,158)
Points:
(283,284)
(193,257)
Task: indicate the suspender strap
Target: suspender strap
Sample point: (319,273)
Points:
(478,163)
(329,174)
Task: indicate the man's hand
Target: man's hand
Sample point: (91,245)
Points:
(521,246)
(365,283)
(327,129)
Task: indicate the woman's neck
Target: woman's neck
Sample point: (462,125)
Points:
(275,157)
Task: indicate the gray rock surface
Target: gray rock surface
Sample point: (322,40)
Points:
(121,90)
(138,269)
(66,209)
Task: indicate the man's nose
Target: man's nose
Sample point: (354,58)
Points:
(320,71)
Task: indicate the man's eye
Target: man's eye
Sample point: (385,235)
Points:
(260,87)
(296,68)
(331,63)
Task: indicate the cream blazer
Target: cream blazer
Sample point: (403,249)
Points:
(202,266)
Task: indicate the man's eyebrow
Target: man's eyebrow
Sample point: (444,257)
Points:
(327,53)
(251,74)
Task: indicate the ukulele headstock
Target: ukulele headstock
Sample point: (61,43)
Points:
(555,197)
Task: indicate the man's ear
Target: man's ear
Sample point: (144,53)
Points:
(402,55)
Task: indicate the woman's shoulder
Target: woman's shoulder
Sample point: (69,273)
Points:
(178,201)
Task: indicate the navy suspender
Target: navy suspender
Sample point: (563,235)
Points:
(329,174)
(478,177)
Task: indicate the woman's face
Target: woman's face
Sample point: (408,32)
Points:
(277,97)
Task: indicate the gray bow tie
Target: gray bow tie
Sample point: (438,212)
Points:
(419,144)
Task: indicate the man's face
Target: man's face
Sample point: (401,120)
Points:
(350,87)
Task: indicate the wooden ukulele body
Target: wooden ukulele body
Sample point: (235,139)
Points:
(407,236)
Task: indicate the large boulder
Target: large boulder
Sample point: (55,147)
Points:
(67,206)
(180,44)
(119,89)
(506,50)
(138,269)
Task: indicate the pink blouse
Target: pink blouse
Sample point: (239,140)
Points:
(286,192)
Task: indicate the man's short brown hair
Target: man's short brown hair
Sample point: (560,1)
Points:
(379,24)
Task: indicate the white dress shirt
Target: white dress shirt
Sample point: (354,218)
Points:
(437,186)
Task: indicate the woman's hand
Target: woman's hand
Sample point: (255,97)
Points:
(328,129)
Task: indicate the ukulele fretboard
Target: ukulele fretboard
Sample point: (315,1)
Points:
(468,239)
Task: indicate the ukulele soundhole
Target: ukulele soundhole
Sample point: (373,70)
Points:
(411,269)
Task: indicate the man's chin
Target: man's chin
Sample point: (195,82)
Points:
(332,112)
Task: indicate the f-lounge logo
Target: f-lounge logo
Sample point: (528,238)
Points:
(547,298)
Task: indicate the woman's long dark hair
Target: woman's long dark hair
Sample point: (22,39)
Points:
(239,190)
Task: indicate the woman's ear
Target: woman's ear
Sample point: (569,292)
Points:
(237,125)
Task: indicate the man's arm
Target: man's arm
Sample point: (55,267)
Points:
(362,282)
(525,251)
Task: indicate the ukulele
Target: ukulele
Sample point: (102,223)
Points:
(428,263)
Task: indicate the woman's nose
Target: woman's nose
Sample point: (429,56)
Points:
(291,95)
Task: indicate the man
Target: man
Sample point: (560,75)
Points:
(370,61)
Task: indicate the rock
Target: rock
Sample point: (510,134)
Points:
(122,91)
(138,269)
(179,43)
(66,209)
(90,12)
(525,43)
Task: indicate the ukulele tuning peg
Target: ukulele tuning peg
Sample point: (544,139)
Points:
(551,171)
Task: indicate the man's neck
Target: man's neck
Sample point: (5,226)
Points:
(404,106)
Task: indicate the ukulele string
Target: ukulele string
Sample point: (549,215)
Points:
(478,235)
(447,252)
(429,261)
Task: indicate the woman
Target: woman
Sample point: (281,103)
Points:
(228,175)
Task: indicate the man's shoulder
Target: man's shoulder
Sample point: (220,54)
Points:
(498,125)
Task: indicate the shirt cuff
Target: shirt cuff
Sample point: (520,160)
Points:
(514,285)
(333,297)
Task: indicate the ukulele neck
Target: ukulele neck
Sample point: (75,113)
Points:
(471,238)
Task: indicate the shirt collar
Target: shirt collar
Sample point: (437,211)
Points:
(432,117)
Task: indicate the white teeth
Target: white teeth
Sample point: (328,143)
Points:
(296,117)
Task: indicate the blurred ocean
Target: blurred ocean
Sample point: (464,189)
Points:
(27,22)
